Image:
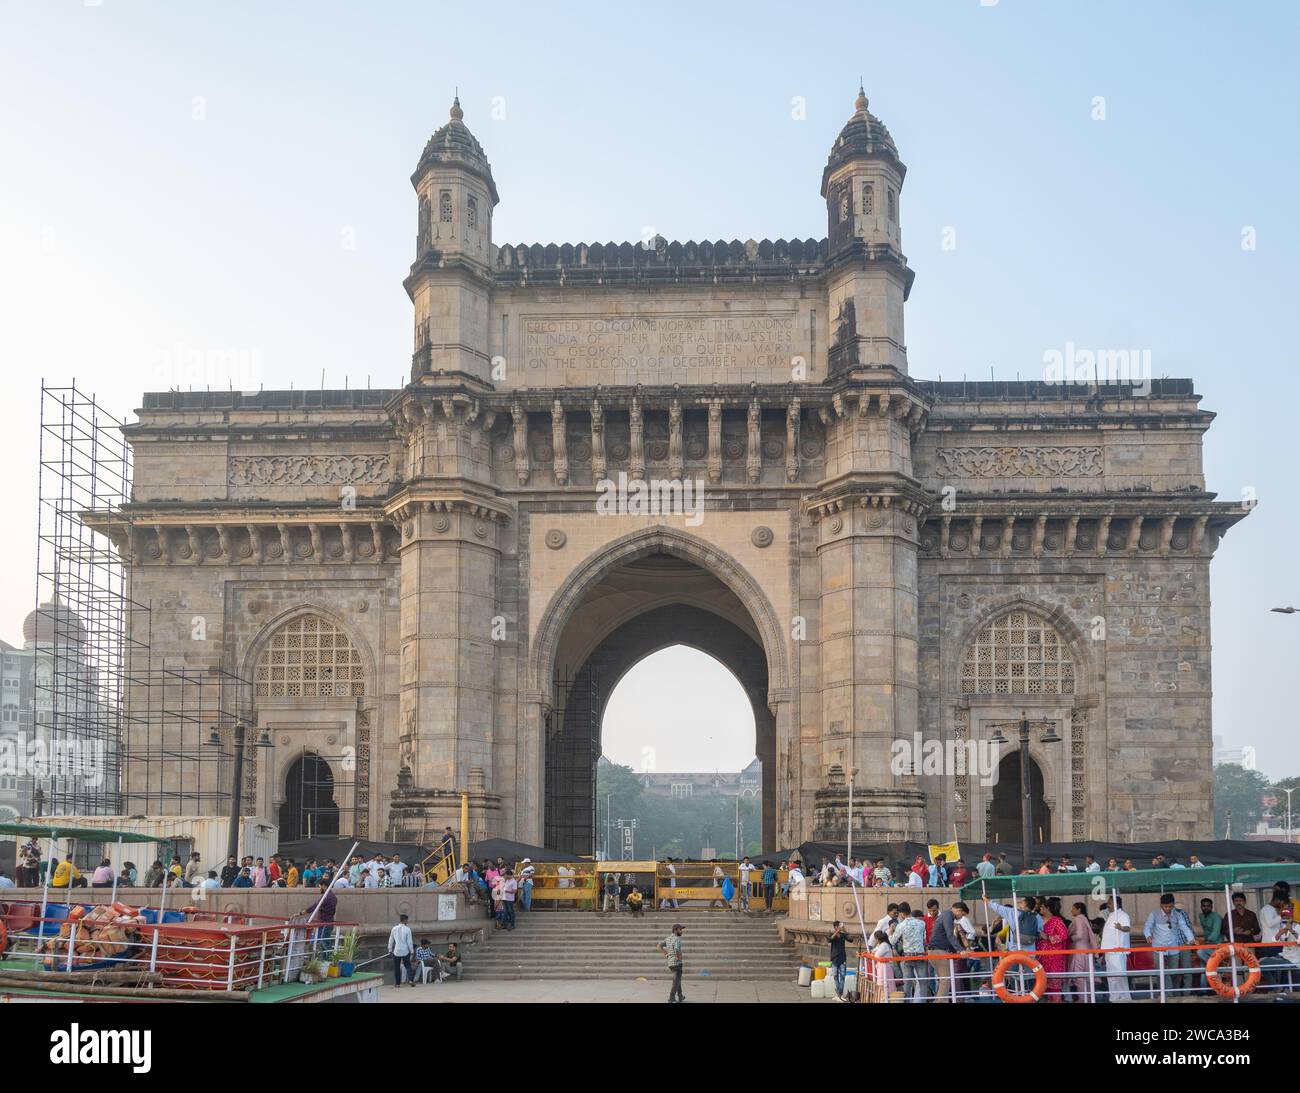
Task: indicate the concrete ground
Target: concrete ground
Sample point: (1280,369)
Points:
(700,989)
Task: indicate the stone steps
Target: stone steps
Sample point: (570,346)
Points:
(587,945)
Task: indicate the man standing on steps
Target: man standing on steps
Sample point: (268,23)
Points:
(671,949)
(401,946)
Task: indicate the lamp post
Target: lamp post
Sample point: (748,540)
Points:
(236,795)
(848,851)
(1026,794)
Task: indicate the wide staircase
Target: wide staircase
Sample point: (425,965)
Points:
(589,945)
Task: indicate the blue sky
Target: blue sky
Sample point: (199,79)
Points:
(235,177)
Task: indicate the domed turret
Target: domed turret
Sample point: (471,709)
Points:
(862,180)
(455,146)
(448,280)
(871,279)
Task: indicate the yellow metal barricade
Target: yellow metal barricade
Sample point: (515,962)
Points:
(699,885)
(566,886)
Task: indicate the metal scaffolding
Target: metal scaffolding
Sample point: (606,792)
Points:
(572,750)
(124,731)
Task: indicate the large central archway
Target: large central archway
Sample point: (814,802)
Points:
(646,596)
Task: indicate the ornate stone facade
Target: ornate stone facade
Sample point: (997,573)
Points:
(877,558)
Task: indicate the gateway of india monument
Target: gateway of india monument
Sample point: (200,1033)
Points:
(433,590)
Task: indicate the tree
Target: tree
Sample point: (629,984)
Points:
(1238,790)
(674,826)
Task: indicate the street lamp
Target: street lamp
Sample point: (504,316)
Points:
(236,796)
(1026,796)
(848,851)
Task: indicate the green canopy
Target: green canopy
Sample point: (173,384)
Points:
(54,830)
(1132,880)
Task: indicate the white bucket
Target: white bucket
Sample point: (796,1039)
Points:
(819,988)
(805,975)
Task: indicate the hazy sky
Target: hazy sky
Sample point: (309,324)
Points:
(234,179)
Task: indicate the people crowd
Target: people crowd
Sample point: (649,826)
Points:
(944,942)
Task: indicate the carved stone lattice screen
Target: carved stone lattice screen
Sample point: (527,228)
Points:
(1018,654)
(309,657)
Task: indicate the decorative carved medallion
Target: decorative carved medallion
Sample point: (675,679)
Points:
(761,536)
(555,539)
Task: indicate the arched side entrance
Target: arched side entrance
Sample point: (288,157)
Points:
(573,743)
(309,809)
(1004,819)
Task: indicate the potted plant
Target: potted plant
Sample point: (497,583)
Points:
(312,972)
(345,953)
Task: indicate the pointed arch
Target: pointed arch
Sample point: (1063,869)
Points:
(1047,619)
(280,625)
(639,544)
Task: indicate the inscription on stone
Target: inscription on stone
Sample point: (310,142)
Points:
(659,343)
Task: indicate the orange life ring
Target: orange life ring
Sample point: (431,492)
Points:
(1012,960)
(1247,957)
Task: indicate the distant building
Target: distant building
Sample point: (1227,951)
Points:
(52,634)
(1240,757)
(683,784)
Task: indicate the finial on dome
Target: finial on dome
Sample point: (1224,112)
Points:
(860,103)
(456,112)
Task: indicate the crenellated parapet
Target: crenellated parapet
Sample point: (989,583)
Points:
(658,260)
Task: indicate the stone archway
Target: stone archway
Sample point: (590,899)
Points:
(645,592)
(1004,818)
(309,809)
(575,735)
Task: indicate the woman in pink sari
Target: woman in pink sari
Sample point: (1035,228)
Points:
(1055,935)
(1081,937)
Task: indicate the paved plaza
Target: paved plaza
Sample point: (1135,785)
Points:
(593,990)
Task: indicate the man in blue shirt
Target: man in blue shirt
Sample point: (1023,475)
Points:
(1024,924)
(769,885)
(939,873)
(1169,926)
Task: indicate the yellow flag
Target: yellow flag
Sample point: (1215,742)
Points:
(950,851)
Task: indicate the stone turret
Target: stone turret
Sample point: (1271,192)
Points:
(448,282)
(871,279)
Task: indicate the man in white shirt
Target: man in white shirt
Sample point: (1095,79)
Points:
(1090,864)
(5,882)
(914,879)
(370,877)
(1115,935)
(745,868)
(794,879)
(566,874)
(396,871)
(400,946)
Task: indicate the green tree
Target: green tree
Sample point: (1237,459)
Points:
(1238,790)
(673,826)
